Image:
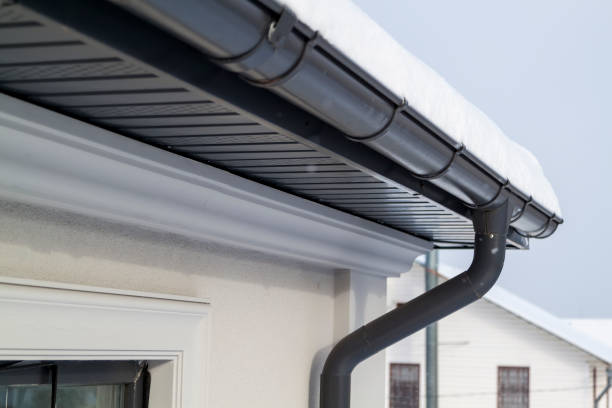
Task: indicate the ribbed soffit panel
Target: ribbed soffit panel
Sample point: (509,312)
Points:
(61,69)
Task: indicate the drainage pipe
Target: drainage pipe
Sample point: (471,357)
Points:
(605,390)
(431,337)
(491,226)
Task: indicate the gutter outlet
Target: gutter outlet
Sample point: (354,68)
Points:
(491,227)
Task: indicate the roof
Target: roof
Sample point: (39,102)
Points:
(204,81)
(539,317)
(355,34)
(599,328)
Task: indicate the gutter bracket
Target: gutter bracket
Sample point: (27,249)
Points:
(385,129)
(273,38)
(291,72)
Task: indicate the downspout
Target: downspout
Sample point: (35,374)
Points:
(491,227)
(605,390)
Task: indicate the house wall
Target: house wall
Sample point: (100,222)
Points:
(275,315)
(473,342)
(271,317)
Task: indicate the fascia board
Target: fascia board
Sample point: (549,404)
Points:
(53,160)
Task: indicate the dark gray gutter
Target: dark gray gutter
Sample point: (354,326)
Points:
(278,52)
(491,226)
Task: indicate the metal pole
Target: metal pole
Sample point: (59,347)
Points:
(431,336)
(608,386)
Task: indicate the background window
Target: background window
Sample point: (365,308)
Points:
(404,386)
(513,387)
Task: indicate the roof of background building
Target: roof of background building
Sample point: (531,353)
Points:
(600,329)
(539,317)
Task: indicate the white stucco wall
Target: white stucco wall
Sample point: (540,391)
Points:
(473,342)
(271,317)
(305,275)
(360,299)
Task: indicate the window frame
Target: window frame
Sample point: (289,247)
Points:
(132,375)
(499,382)
(418,381)
(58,321)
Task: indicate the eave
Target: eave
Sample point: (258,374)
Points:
(50,160)
(160,72)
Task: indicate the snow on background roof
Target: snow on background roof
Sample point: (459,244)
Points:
(600,329)
(539,317)
(349,29)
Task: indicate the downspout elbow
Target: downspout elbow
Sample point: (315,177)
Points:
(491,229)
(490,226)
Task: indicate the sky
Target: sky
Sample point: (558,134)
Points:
(542,71)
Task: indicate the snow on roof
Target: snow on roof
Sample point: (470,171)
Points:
(352,32)
(538,317)
(600,329)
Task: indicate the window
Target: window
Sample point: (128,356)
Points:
(404,386)
(46,322)
(513,387)
(73,384)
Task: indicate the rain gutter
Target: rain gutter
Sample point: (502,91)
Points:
(270,48)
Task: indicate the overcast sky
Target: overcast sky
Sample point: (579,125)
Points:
(541,70)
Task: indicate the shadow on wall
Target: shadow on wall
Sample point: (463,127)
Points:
(82,244)
(315,374)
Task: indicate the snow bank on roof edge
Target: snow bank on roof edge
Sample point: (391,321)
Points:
(353,33)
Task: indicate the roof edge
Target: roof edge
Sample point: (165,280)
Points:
(531,218)
(52,160)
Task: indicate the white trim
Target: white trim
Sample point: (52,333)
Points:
(50,159)
(70,323)
(7,280)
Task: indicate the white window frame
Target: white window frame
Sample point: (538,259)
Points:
(51,321)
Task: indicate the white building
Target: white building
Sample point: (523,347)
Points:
(503,334)
(218,191)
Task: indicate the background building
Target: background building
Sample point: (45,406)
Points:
(500,348)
